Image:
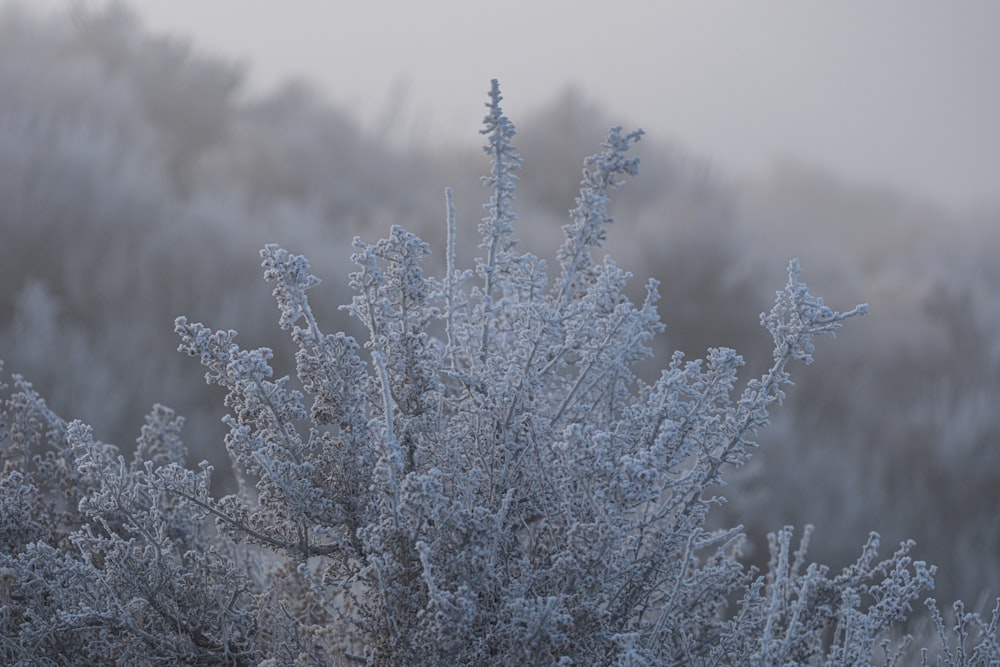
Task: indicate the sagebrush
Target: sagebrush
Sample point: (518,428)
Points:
(483,481)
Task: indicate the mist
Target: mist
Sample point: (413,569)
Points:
(140,176)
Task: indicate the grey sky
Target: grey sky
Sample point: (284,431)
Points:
(898,92)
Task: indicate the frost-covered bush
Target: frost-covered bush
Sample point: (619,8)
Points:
(483,481)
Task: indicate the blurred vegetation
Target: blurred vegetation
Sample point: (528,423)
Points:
(138,180)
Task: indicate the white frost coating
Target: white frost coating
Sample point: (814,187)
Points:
(513,495)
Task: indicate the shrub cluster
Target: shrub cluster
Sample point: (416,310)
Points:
(483,481)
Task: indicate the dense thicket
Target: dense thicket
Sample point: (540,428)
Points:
(484,482)
(138,176)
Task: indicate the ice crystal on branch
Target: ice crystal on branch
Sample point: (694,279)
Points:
(511,495)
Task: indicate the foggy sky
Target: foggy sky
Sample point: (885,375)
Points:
(903,93)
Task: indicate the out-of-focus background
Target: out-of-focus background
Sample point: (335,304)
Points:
(148,150)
